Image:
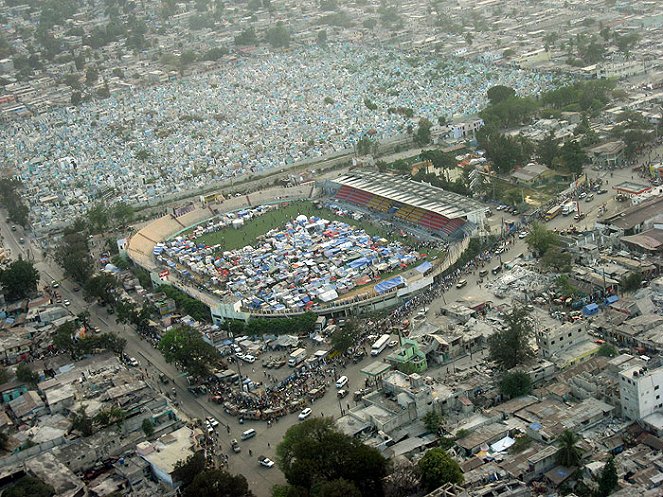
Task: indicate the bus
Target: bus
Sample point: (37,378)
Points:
(553,213)
(380,345)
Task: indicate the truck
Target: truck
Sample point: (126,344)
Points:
(296,357)
(568,208)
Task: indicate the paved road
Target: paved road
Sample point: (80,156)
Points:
(261,479)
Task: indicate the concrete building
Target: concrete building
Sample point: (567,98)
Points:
(566,344)
(640,390)
(609,154)
(164,454)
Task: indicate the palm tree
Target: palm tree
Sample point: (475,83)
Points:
(568,454)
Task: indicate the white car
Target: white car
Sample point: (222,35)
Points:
(265,461)
(210,428)
(133,362)
(212,421)
(66,302)
(392,344)
(248,358)
(305,413)
(522,234)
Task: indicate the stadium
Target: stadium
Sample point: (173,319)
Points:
(359,243)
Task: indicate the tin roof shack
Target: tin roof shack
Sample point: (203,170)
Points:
(549,418)
(163,454)
(14,348)
(48,469)
(531,463)
(60,398)
(635,219)
(27,406)
(482,437)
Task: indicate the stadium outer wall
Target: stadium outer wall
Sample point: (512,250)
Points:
(140,245)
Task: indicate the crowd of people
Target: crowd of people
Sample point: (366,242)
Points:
(255,114)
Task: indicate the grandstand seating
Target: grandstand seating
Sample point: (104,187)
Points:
(407,213)
(354,196)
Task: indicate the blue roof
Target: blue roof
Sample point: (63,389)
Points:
(423,267)
(612,299)
(385,286)
(535,426)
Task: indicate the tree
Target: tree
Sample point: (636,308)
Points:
(73,253)
(278,36)
(432,420)
(556,260)
(185,471)
(515,384)
(631,282)
(344,338)
(607,350)
(26,375)
(315,451)
(573,156)
(91,76)
(29,486)
(568,453)
(548,149)
(98,218)
(438,468)
(83,423)
(101,287)
(218,483)
(322,37)
(510,347)
(19,280)
(247,37)
(148,427)
(423,135)
(403,480)
(540,239)
(439,159)
(185,345)
(608,480)
(500,93)
(337,488)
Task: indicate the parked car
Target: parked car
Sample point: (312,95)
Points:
(392,344)
(305,414)
(235,446)
(265,461)
(341,393)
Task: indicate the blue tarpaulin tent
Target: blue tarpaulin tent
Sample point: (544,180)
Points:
(423,267)
(590,309)
(612,299)
(385,286)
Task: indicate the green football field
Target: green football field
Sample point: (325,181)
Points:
(232,239)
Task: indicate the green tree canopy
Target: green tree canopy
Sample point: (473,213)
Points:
(437,468)
(218,483)
(608,481)
(185,346)
(568,454)
(19,280)
(422,136)
(337,488)
(102,287)
(26,375)
(344,338)
(314,452)
(540,239)
(73,253)
(556,260)
(515,384)
(631,282)
(247,37)
(433,420)
(439,158)
(510,347)
(500,93)
(11,200)
(148,427)
(186,470)
(278,36)
(29,486)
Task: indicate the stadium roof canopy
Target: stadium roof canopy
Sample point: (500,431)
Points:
(422,195)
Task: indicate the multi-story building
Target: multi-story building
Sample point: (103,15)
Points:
(641,392)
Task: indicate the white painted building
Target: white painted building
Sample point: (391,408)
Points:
(641,391)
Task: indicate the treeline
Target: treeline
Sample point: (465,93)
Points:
(296,325)
(187,305)
(12,201)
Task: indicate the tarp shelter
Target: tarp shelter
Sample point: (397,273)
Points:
(387,285)
(612,299)
(502,445)
(590,309)
(424,267)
